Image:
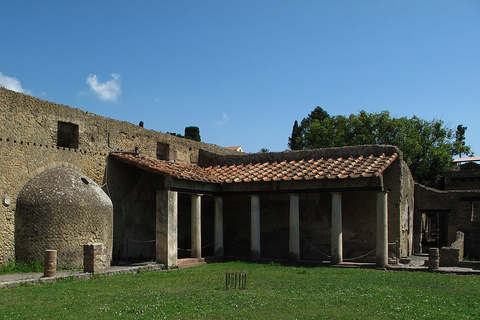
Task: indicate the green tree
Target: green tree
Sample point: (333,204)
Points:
(192,133)
(297,140)
(428,146)
(460,141)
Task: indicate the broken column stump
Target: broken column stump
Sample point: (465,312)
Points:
(95,258)
(50,263)
(433,259)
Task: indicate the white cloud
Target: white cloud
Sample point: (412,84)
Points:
(106,91)
(223,120)
(11,83)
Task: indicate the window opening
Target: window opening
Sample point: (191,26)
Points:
(163,151)
(67,135)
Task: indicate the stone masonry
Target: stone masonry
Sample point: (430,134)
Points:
(450,256)
(33,140)
(95,258)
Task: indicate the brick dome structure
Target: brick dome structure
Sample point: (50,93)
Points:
(62,209)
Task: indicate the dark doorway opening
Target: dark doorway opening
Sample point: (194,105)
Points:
(434,230)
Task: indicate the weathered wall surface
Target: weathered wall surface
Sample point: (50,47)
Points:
(29,143)
(463,177)
(457,206)
(28,119)
(133,194)
(400,186)
(21,161)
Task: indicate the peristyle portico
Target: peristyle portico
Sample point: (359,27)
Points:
(292,205)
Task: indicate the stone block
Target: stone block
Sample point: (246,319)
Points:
(449,257)
(452,255)
(95,258)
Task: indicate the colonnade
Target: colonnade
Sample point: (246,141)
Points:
(166,229)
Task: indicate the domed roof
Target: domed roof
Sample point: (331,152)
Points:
(63,186)
(61,209)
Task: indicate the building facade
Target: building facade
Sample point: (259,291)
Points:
(173,197)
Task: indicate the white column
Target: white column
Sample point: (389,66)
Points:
(294,235)
(166,228)
(337,244)
(196,232)
(218,237)
(255,227)
(382,229)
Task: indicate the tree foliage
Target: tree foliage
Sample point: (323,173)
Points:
(192,133)
(428,146)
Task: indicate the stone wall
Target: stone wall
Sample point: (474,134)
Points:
(457,207)
(28,119)
(400,186)
(20,161)
(29,138)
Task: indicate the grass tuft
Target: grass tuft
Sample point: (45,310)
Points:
(21,267)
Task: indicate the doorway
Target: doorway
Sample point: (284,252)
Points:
(434,230)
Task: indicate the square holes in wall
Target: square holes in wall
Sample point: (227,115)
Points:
(67,135)
(163,151)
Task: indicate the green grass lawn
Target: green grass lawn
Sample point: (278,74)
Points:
(273,292)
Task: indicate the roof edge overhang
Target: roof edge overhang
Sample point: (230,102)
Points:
(278,187)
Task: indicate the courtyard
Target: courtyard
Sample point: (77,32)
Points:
(272,292)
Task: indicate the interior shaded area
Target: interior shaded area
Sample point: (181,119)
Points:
(133,193)
(434,230)
(67,135)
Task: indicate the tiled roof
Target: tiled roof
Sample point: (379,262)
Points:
(172,169)
(311,169)
(352,167)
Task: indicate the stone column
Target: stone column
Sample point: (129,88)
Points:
(218,236)
(255,227)
(382,229)
(196,233)
(294,235)
(337,244)
(166,227)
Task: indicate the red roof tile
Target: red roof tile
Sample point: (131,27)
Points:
(172,169)
(310,169)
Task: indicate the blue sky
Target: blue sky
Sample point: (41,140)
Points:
(244,71)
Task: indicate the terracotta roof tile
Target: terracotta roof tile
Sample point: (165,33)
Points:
(303,169)
(172,169)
